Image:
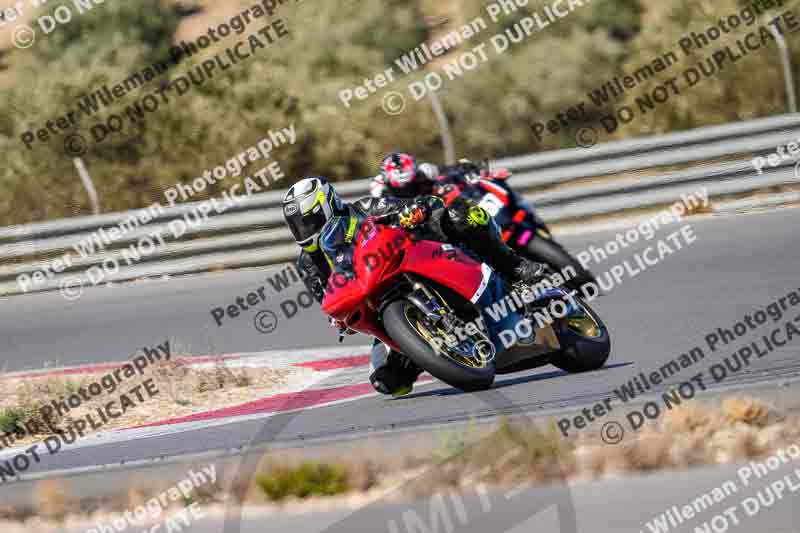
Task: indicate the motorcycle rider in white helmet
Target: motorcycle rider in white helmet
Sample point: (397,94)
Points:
(325,227)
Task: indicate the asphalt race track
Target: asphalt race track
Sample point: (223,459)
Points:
(738,264)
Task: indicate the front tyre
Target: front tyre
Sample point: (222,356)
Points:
(400,321)
(585,342)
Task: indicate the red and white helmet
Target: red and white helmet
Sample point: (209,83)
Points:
(399,171)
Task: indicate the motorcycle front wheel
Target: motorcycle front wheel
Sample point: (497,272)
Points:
(405,326)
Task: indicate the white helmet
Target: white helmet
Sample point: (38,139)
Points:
(308,206)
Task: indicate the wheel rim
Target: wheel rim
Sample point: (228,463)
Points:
(483,351)
(585,325)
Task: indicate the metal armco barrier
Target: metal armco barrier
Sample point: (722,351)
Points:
(252,234)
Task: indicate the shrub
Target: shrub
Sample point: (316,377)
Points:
(303,481)
(10,420)
(333,46)
(104,45)
(750,88)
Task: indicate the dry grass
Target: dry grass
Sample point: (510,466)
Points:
(699,210)
(182,390)
(52,500)
(692,434)
(25,416)
(512,454)
(186,386)
(55,508)
(689,435)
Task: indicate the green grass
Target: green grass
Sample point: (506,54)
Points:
(26,417)
(188,500)
(10,419)
(71,386)
(305,480)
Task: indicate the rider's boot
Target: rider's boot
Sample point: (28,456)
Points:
(393,373)
(525,271)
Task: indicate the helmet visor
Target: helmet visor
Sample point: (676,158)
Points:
(304,227)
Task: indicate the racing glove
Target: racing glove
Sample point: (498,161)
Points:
(412,216)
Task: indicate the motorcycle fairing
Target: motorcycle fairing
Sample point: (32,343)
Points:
(383,254)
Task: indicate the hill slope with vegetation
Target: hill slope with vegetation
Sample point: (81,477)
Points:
(333,46)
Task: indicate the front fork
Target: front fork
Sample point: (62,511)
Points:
(442,318)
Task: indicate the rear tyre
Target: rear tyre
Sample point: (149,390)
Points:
(414,346)
(585,343)
(557,259)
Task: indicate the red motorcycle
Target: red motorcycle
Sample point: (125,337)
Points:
(419,297)
(522,228)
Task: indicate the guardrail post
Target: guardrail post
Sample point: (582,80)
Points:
(87,184)
(444,128)
(442,16)
(788,73)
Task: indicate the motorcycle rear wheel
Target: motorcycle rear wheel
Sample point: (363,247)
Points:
(557,260)
(585,342)
(409,334)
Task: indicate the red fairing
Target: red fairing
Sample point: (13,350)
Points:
(449,266)
(381,255)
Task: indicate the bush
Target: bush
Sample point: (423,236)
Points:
(26,417)
(750,88)
(10,420)
(493,109)
(304,481)
(333,46)
(104,45)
